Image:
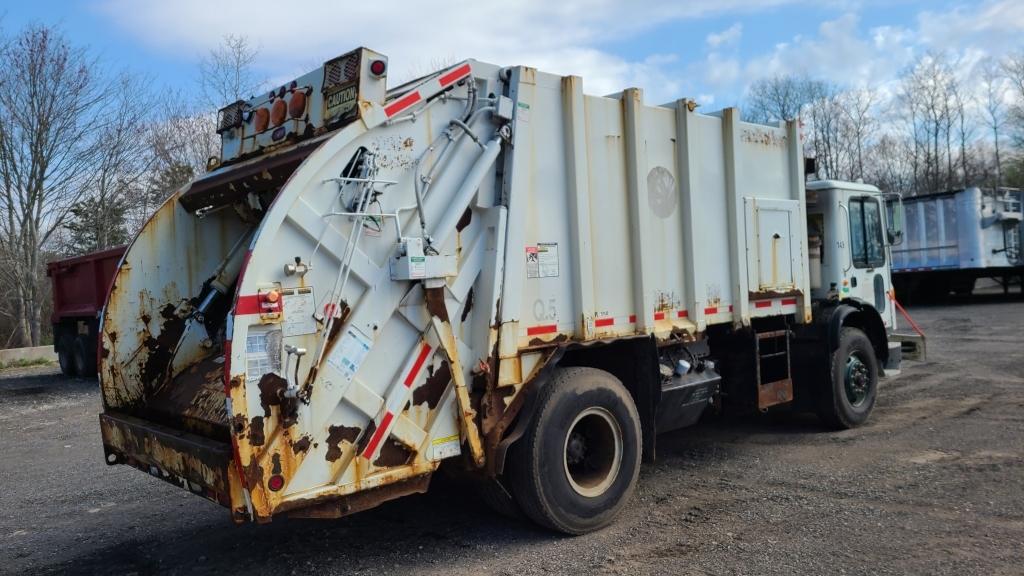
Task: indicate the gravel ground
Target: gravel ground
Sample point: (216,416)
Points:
(933,484)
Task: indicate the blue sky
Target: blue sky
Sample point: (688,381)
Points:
(707,49)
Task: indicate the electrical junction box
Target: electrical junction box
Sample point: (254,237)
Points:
(413,264)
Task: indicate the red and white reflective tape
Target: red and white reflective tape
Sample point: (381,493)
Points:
(775,305)
(712,310)
(397,399)
(428,89)
(606,321)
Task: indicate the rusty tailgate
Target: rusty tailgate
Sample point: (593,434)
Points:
(193,462)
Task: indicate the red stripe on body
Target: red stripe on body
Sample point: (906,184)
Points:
(709,311)
(402,103)
(632,317)
(454,76)
(763,304)
(789,302)
(248,304)
(601,322)
(411,376)
(546,329)
(659,315)
(682,314)
(378,435)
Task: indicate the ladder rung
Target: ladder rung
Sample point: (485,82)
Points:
(773,355)
(772,334)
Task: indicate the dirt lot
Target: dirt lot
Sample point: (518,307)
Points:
(933,484)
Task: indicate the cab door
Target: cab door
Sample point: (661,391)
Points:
(868,275)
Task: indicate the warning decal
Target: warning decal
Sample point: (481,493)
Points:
(542,260)
(299,306)
(349,353)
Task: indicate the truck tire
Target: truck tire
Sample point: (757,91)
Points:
(85,359)
(577,464)
(65,356)
(850,393)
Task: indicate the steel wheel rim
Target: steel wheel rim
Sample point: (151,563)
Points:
(856,379)
(592,454)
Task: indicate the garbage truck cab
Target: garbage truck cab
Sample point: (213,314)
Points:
(851,227)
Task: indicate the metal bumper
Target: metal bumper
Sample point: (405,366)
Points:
(912,346)
(198,464)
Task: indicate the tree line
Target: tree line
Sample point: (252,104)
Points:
(88,151)
(942,125)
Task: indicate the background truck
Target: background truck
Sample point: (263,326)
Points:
(954,238)
(79,285)
(484,268)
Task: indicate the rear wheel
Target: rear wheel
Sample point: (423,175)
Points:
(65,356)
(850,395)
(84,358)
(577,464)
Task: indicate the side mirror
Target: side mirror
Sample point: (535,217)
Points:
(893,218)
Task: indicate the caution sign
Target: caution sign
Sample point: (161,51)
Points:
(542,260)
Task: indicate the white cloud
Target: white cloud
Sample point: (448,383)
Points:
(727,37)
(995,25)
(561,37)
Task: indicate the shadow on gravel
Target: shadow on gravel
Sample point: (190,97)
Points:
(416,531)
(35,384)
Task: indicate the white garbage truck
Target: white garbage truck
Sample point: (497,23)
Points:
(484,269)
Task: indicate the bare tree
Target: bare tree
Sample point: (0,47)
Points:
(890,163)
(49,92)
(227,73)
(181,140)
(993,84)
(99,220)
(1013,67)
(781,97)
(930,100)
(858,107)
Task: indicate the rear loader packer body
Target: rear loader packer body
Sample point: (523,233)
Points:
(483,267)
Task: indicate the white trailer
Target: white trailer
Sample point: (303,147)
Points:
(954,238)
(485,268)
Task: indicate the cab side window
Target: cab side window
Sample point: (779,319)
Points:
(866,234)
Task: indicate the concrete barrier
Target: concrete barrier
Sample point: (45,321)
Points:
(34,353)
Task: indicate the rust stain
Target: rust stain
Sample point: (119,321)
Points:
(272,389)
(238,424)
(335,436)
(434,299)
(161,348)
(430,392)
(256,434)
(301,445)
(193,400)
(392,454)
(253,474)
(337,506)
(556,340)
